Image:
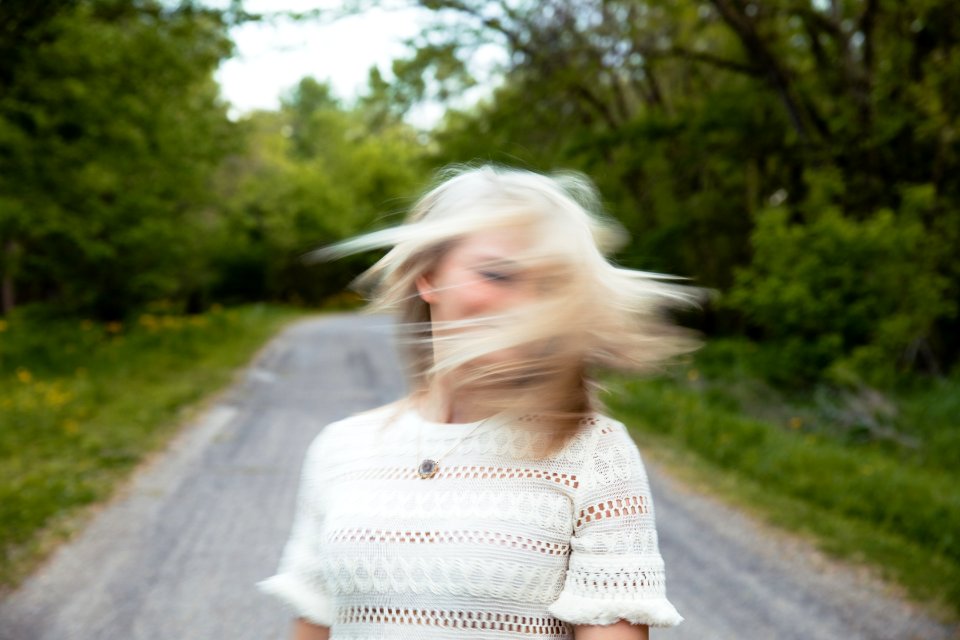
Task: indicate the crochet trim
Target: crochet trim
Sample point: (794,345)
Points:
(656,612)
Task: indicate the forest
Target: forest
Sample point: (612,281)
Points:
(799,157)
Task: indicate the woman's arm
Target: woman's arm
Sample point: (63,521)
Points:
(303,630)
(622,630)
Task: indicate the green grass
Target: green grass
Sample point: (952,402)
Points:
(81,403)
(869,475)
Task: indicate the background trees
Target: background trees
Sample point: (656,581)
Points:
(797,155)
(313,173)
(110,130)
(122,180)
(764,148)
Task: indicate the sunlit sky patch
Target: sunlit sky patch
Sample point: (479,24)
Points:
(272,57)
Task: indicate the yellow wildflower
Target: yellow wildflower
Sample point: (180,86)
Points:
(23,375)
(57,398)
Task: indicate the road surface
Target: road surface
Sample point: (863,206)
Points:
(177,554)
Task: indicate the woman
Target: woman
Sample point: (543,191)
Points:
(493,501)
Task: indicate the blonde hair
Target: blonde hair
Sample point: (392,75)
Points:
(589,314)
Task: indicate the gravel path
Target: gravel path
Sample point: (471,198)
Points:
(176,555)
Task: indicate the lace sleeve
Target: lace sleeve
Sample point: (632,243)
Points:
(615,570)
(298,582)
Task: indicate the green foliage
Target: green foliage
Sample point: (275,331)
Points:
(841,293)
(913,502)
(82,402)
(311,174)
(433,72)
(110,131)
(889,486)
(122,181)
(696,117)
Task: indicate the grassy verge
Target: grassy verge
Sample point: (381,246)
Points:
(883,493)
(82,403)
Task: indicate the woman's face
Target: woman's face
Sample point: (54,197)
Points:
(479,276)
(511,274)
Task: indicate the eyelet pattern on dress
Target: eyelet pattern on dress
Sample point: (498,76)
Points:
(498,544)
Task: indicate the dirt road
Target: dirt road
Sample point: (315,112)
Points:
(176,556)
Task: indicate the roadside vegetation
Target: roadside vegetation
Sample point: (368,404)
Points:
(870,476)
(83,402)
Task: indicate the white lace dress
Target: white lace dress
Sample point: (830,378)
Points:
(495,545)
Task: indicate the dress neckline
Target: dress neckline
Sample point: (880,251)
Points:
(441,429)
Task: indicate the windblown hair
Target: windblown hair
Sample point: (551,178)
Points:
(588,314)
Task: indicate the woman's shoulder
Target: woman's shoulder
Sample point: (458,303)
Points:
(598,424)
(597,427)
(594,430)
(367,417)
(352,428)
(613,457)
(609,435)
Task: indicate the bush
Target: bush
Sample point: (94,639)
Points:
(841,295)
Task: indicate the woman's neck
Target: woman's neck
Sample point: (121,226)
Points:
(438,403)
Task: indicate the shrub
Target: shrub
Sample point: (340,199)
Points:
(840,295)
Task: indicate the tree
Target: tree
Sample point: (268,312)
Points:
(110,130)
(696,116)
(311,174)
